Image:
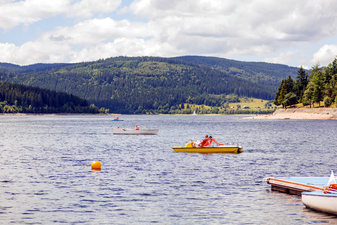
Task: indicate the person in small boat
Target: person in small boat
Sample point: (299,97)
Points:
(137,127)
(191,144)
(117,118)
(212,140)
(205,142)
(196,143)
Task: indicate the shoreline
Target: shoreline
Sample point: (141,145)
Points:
(56,114)
(301,114)
(118,114)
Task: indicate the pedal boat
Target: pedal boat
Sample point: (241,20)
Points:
(218,149)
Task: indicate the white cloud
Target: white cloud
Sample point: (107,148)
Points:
(325,55)
(33,52)
(14,13)
(123,47)
(286,57)
(7,52)
(238,27)
(88,40)
(86,8)
(94,31)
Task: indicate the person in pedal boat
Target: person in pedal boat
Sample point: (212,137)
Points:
(205,142)
(212,140)
(137,127)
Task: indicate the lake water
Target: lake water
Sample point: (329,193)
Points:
(46,175)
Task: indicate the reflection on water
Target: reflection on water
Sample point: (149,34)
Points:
(45,174)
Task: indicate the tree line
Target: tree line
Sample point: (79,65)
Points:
(319,85)
(17,98)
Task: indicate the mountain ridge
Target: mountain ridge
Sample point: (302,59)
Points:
(152,84)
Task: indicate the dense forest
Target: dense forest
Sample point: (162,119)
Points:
(16,98)
(266,74)
(320,85)
(150,84)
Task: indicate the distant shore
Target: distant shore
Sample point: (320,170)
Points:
(57,114)
(301,114)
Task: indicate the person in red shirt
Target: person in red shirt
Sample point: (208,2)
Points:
(205,142)
(213,140)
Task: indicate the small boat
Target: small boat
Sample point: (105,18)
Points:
(117,120)
(323,200)
(320,201)
(217,149)
(135,131)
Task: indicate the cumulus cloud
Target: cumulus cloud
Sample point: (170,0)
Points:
(88,40)
(238,27)
(124,47)
(325,55)
(86,8)
(14,13)
(94,31)
(34,52)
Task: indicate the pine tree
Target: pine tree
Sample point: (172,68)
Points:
(301,83)
(315,88)
(308,94)
(318,81)
(280,93)
(282,97)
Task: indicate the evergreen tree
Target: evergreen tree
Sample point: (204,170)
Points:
(331,86)
(301,83)
(308,94)
(317,80)
(285,94)
(330,71)
(280,93)
(314,92)
(289,99)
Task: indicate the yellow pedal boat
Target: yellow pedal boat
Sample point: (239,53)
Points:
(219,149)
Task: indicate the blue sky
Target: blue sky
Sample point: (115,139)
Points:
(296,33)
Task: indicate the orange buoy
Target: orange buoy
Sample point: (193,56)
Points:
(96,165)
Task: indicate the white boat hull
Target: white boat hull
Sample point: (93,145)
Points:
(136,132)
(320,201)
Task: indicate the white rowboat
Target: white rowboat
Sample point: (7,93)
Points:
(320,201)
(135,132)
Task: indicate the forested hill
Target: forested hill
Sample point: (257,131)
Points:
(16,98)
(139,84)
(267,74)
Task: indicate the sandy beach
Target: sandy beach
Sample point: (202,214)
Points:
(302,114)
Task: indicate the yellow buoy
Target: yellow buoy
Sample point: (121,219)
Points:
(96,165)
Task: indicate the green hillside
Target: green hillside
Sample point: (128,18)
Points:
(267,74)
(16,98)
(141,84)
